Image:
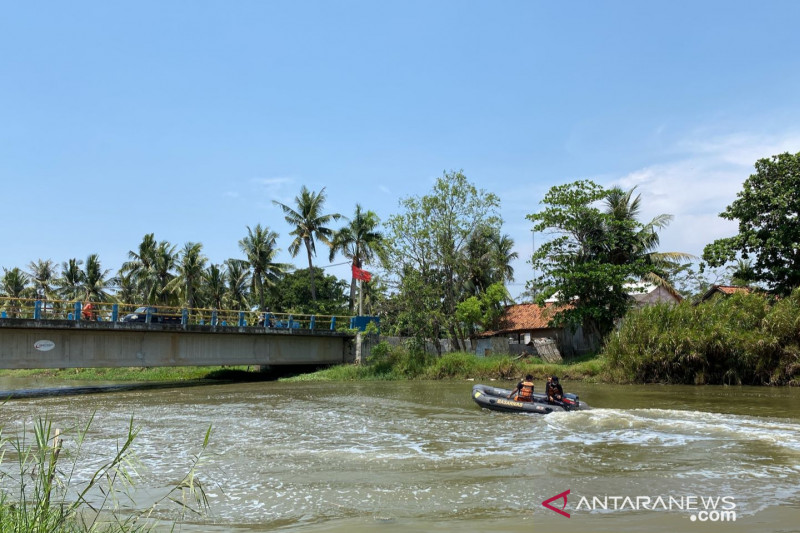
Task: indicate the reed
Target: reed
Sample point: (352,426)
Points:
(46,495)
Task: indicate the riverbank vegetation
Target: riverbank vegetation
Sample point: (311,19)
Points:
(750,339)
(399,363)
(49,495)
(445,265)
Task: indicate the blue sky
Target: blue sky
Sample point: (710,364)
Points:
(187,118)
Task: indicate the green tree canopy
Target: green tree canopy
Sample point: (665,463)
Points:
(593,252)
(292,294)
(428,256)
(768,211)
(260,249)
(191,264)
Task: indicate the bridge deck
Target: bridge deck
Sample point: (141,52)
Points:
(27,343)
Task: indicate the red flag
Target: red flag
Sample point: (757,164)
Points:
(360,274)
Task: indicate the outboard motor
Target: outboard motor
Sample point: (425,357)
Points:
(571,401)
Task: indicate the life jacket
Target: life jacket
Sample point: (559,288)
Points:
(555,391)
(525,393)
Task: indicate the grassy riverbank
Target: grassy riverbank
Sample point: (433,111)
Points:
(397,365)
(401,365)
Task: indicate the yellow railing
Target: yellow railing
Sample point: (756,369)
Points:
(124,312)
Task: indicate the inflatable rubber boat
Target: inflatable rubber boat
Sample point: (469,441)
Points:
(498,400)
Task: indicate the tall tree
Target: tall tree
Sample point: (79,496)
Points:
(126,288)
(237,280)
(71,282)
(768,211)
(624,209)
(214,287)
(140,266)
(14,285)
(43,274)
(591,255)
(292,294)
(310,225)
(163,272)
(489,255)
(190,266)
(259,247)
(95,283)
(427,252)
(360,242)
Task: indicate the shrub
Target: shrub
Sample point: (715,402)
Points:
(742,339)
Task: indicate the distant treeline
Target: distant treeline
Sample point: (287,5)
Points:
(748,339)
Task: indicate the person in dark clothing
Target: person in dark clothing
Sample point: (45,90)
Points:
(524,390)
(555,393)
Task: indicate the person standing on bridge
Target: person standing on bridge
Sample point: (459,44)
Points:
(88,312)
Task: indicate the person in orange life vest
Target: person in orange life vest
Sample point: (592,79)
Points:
(555,393)
(524,390)
(88,311)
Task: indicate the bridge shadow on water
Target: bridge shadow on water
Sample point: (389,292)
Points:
(216,377)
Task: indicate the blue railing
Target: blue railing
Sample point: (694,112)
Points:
(38,309)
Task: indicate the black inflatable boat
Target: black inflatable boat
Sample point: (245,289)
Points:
(498,400)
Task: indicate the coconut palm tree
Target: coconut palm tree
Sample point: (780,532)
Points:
(14,284)
(360,242)
(488,256)
(140,267)
(502,256)
(624,209)
(214,287)
(259,248)
(43,274)
(743,273)
(126,288)
(237,280)
(310,224)
(162,272)
(190,266)
(94,281)
(71,283)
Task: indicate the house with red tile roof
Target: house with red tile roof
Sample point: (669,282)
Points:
(723,291)
(522,324)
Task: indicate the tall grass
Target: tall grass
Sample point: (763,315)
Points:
(743,339)
(46,496)
(398,363)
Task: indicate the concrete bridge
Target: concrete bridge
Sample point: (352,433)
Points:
(37,343)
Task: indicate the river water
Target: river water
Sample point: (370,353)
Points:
(421,456)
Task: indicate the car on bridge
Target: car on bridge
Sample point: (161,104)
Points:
(156,317)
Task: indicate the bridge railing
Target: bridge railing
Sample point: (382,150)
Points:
(39,309)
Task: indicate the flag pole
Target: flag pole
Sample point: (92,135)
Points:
(360,297)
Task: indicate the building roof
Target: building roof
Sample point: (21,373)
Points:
(726,290)
(525,317)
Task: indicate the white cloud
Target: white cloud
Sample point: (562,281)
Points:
(280,188)
(700,184)
(701,178)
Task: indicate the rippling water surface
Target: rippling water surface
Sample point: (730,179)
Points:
(423,457)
